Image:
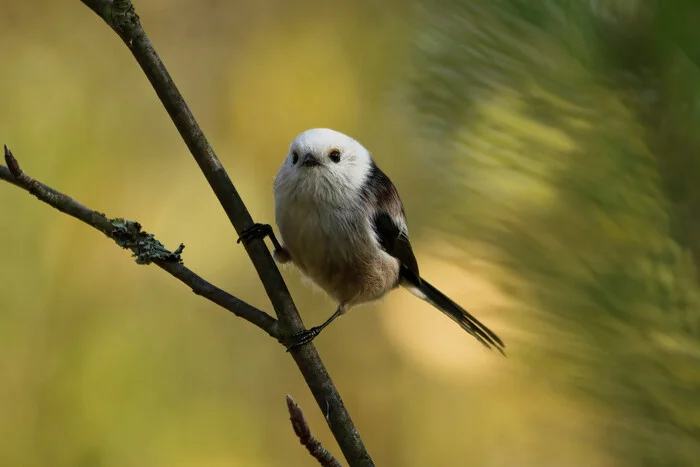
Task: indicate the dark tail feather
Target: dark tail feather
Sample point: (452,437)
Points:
(461,316)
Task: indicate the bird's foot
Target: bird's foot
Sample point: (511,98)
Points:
(303,337)
(255,231)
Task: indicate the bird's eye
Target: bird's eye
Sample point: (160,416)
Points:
(295,157)
(334,155)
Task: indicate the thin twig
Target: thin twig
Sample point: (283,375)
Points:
(303,432)
(121,17)
(144,246)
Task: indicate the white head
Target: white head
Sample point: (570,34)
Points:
(324,162)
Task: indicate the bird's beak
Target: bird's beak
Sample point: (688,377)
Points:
(309,160)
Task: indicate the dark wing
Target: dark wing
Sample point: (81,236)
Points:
(395,242)
(389,222)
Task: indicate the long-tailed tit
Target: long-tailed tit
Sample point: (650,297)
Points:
(343,225)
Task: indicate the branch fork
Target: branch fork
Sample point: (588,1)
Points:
(121,16)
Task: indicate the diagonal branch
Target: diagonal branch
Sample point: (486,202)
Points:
(145,248)
(121,17)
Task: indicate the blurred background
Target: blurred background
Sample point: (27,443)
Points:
(548,157)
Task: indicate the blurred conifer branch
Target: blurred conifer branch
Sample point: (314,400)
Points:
(303,432)
(145,247)
(122,18)
(584,186)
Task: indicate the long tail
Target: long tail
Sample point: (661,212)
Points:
(461,316)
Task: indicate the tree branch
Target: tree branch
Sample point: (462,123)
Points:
(144,246)
(303,432)
(121,17)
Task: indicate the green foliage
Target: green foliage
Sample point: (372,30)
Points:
(573,129)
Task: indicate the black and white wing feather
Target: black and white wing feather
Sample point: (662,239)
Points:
(389,223)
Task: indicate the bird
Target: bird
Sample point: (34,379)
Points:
(343,225)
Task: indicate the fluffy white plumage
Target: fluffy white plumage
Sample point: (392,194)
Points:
(324,218)
(342,224)
(337,180)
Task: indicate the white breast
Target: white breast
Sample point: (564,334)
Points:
(334,245)
(315,233)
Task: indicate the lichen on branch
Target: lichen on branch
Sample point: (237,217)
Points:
(144,246)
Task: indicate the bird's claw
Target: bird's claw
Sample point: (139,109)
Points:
(255,231)
(303,337)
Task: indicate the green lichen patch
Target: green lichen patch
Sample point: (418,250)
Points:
(145,247)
